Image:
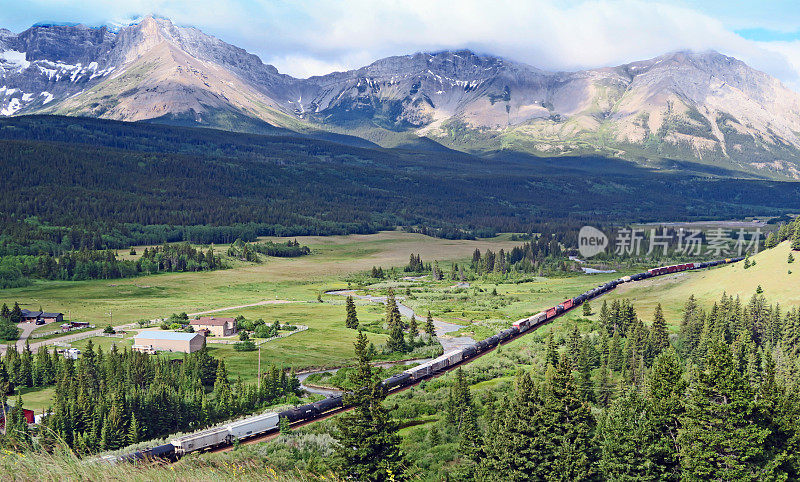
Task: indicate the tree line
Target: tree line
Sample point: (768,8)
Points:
(105,401)
(719,401)
(104,264)
(64,193)
(250,251)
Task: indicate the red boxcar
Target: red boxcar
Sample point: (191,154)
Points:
(568,304)
(551,312)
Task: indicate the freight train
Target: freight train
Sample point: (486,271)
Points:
(268,422)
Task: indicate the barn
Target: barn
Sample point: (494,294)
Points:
(153,341)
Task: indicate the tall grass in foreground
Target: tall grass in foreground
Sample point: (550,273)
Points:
(64,465)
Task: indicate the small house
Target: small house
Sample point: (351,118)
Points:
(41,317)
(217,326)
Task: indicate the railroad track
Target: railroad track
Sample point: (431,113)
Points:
(264,427)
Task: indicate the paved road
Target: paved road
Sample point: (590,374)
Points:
(68,338)
(27,329)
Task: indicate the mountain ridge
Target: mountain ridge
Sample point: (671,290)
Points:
(681,105)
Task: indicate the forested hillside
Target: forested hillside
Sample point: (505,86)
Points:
(113,184)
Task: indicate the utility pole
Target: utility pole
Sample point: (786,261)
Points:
(259,370)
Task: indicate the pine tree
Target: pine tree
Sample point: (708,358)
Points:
(585,387)
(551,358)
(605,387)
(222,389)
(16,314)
(626,436)
(396,341)
(17,428)
(574,345)
(26,367)
(796,238)
(430,329)
(721,436)
(5,313)
(283,426)
(615,359)
(666,392)
(571,427)
(369,447)
(6,385)
(436,272)
(352,318)
(392,311)
(517,444)
(133,431)
(605,318)
(413,328)
(659,337)
(587,309)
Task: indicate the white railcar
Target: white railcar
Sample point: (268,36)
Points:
(253,425)
(420,371)
(201,440)
(537,318)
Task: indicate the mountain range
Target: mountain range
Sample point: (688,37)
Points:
(706,108)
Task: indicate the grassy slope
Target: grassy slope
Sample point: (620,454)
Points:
(771,272)
(212,467)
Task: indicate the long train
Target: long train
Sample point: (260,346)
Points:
(268,422)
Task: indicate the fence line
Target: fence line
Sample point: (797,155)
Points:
(35,336)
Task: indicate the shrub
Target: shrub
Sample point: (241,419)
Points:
(109,329)
(244,346)
(265,331)
(8,331)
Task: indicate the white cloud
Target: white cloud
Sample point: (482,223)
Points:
(307,37)
(303,66)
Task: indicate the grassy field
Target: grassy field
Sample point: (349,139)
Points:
(327,343)
(771,272)
(299,279)
(37,399)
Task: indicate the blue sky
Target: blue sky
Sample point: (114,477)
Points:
(305,37)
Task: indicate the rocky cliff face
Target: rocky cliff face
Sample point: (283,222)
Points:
(145,71)
(703,107)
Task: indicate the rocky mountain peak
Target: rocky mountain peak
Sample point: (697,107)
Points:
(684,104)
(69,44)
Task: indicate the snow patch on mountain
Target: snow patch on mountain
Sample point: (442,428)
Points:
(13,106)
(13,59)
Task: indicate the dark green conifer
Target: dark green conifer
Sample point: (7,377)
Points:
(430,329)
(659,337)
(352,317)
(369,447)
(722,435)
